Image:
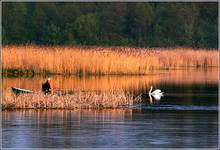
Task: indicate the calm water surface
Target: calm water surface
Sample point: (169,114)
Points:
(186,117)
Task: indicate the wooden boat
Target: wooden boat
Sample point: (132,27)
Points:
(17,91)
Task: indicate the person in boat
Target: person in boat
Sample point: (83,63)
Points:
(46,88)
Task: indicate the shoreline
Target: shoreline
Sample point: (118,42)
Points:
(18,109)
(12,72)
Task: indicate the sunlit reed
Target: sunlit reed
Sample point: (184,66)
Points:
(104,60)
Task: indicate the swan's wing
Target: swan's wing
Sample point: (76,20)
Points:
(156,91)
(157,97)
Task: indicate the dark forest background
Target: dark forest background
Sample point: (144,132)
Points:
(153,24)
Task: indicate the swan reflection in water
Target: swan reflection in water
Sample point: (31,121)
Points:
(157,94)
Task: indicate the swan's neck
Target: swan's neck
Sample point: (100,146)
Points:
(150,90)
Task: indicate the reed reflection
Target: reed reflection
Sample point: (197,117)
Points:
(127,83)
(51,116)
(109,128)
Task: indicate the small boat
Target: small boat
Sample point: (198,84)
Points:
(17,91)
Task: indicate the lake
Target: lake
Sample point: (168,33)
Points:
(186,117)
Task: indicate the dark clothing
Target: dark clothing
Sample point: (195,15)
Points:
(46,87)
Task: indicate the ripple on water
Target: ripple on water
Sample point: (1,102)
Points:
(178,107)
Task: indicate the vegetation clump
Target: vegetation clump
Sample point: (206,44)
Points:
(78,100)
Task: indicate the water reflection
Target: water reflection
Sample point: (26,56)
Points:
(186,117)
(109,128)
(131,83)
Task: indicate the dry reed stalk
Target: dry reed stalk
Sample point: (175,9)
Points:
(97,100)
(104,60)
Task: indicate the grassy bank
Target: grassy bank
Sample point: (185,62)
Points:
(101,60)
(93,100)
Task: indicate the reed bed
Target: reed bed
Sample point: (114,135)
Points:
(103,60)
(79,100)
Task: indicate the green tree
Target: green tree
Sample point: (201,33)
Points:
(13,22)
(87,29)
(168,26)
(206,33)
(140,17)
(112,23)
(147,24)
(68,14)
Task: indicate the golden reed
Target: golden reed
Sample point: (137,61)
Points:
(103,60)
(85,100)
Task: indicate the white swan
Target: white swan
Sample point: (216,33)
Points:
(157,94)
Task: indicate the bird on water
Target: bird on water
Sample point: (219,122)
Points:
(157,94)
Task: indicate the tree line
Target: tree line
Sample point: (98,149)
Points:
(143,24)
